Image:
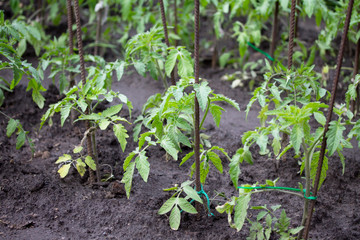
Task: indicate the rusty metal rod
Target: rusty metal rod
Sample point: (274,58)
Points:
(328,117)
(197,111)
(274,29)
(83,80)
(163,19)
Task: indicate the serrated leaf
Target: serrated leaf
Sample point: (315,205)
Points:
(11,126)
(202,94)
(127,178)
(320,118)
(120,70)
(20,139)
(185,66)
(80,167)
(192,193)
(140,68)
(171,61)
(216,112)
(128,160)
(65,112)
(77,149)
(296,137)
(90,162)
(235,169)
(261,215)
(175,218)
(215,159)
(143,166)
(186,206)
(38,98)
(63,158)
(112,110)
(187,156)
(169,147)
(121,134)
(103,124)
(64,170)
(167,206)
(309,6)
(334,136)
(242,205)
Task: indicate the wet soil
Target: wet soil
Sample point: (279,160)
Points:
(36,204)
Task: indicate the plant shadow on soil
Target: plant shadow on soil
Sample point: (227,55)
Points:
(36,204)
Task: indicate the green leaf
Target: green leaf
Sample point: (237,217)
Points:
(127,178)
(215,159)
(77,149)
(320,118)
(262,141)
(224,58)
(121,134)
(185,66)
(90,162)
(120,70)
(309,6)
(235,169)
(171,61)
(65,112)
(140,68)
(104,123)
(112,110)
(296,137)
(38,98)
(128,160)
(11,127)
(261,215)
(167,206)
(202,94)
(20,140)
(242,205)
(63,158)
(64,170)
(192,193)
(334,136)
(216,112)
(284,4)
(169,147)
(314,167)
(143,166)
(175,218)
(187,156)
(80,166)
(186,206)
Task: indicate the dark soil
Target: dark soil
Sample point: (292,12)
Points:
(36,204)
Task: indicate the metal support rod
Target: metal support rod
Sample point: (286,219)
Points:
(328,117)
(355,72)
(83,80)
(197,112)
(274,29)
(291,34)
(163,19)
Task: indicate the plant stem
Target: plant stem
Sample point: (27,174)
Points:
(278,190)
(93,138)
(205,114)
(307,187)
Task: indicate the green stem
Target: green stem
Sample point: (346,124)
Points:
(278,190)
(205,114)
(308,155)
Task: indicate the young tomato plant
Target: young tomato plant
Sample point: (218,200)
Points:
(14,33)
(89,96)
(176,202)
(292,94)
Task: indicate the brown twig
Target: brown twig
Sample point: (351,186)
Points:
(328,117)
